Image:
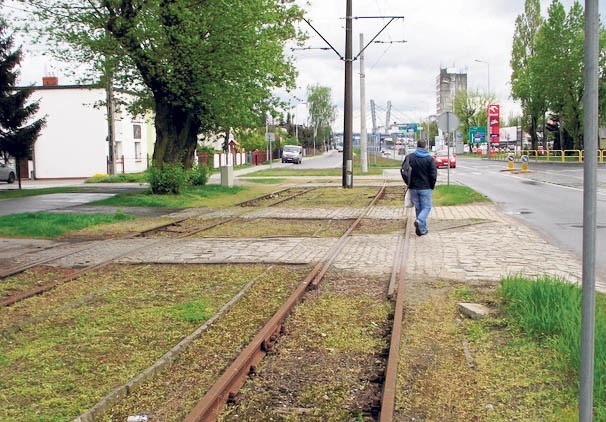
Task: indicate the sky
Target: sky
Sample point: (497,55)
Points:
(450,34)
(471,36)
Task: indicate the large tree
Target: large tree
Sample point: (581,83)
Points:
(549,62)
(200,65)
(322,112)
(524,86)
(471,108)
(17,133)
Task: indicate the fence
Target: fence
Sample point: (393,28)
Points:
(254,158)
(129,164)
(549,155)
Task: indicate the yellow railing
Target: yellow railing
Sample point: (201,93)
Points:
(549,155)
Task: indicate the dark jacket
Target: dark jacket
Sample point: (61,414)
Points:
(424,170)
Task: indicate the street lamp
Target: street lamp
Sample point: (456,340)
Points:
(487,72)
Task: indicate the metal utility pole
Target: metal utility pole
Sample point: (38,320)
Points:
(363,134)
(111,133)
(347,181)
(590,124)
(348,109)
(373,115)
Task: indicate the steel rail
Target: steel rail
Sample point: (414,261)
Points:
(23,267)
(12,299)
(388,396)
(230,382)
(143,233)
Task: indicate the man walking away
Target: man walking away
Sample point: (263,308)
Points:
(422,181)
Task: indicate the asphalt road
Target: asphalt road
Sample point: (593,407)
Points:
(549,197)
(60,201)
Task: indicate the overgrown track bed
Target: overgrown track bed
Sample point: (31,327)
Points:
(64,351)
(393,196)
(180,228)
(339,360)
(276,198)
(334,197)
(230,382)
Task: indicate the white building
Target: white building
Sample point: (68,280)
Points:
(73,144)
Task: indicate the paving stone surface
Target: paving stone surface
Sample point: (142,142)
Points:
(470,243)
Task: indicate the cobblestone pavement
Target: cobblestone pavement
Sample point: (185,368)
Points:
(468,243)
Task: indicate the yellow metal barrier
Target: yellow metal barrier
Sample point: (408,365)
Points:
(548,155)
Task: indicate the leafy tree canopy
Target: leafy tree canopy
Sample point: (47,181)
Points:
(200,65)
(17,134)
(322,112)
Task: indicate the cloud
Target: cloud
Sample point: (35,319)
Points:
(438,33)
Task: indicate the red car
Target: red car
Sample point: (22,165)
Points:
(441,158)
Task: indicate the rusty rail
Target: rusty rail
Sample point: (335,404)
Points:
(12,299)
(388,396)
(230,382)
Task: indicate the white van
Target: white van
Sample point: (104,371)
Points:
(292,154)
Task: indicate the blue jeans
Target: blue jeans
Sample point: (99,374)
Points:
(421,199)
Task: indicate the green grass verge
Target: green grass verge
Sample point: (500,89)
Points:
(549,311)
(266,181)
(446,195)
(118,178)
(22,193)
(335,172)
(48,225)
(192,196)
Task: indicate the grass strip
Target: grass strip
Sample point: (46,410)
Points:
(22,193)
(549,310)
(191,196)
(447,195)
(512,376)
(49,225)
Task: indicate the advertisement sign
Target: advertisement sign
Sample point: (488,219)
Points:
(494,123)
(408,127)
(477,135)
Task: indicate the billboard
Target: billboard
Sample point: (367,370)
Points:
(494,123)
(477,135)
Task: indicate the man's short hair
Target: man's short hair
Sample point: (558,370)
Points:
(421,143)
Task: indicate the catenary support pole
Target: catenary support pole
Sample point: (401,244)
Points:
(363,133)
(590,125)
(347,123)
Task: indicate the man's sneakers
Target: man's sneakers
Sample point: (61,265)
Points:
(418,229)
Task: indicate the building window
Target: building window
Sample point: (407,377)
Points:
(137,131)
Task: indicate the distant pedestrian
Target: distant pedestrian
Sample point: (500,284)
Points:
(422,181)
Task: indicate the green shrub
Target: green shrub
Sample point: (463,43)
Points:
(198,175)
(205,148)
(168,179)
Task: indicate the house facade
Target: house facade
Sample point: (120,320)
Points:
(74,142)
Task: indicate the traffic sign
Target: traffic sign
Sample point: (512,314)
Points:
(448,121)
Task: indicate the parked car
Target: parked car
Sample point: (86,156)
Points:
(7,173)
(441,158)
(292,154)
(339,148)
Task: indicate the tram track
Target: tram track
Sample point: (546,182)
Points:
(11,299)
(271,335)
(227,386)
(266,337)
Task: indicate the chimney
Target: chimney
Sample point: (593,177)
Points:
(50,81)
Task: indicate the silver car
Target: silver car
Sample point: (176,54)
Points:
(7,174)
